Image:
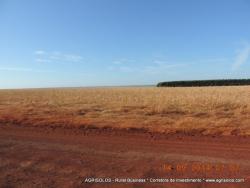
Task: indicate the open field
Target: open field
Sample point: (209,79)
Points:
(205,110)
(59,137)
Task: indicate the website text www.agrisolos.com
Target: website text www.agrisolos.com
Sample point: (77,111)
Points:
(162,180)
(181,167)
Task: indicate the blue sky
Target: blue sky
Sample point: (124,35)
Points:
(61,43)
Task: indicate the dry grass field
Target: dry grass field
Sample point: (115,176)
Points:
(203,110)
(60,137)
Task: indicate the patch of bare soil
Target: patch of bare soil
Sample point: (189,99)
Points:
(59,157)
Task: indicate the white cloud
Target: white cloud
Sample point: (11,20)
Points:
(123,65)
(125,69)
(161,67)
(242,57)
(47,57)
(215,60)
(40,52)
(123,61)
(159,62)
(72,58)
(20,69)
(153,67)
(117,62)
(40,60)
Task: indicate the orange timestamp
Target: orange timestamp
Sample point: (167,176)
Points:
(198,167)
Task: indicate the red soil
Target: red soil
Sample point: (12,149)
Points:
(59,157)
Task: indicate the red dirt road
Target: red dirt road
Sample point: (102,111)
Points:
(46,157)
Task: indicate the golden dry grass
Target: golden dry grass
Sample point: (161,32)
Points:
(206,110)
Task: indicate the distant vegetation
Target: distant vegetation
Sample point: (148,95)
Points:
(198,83)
